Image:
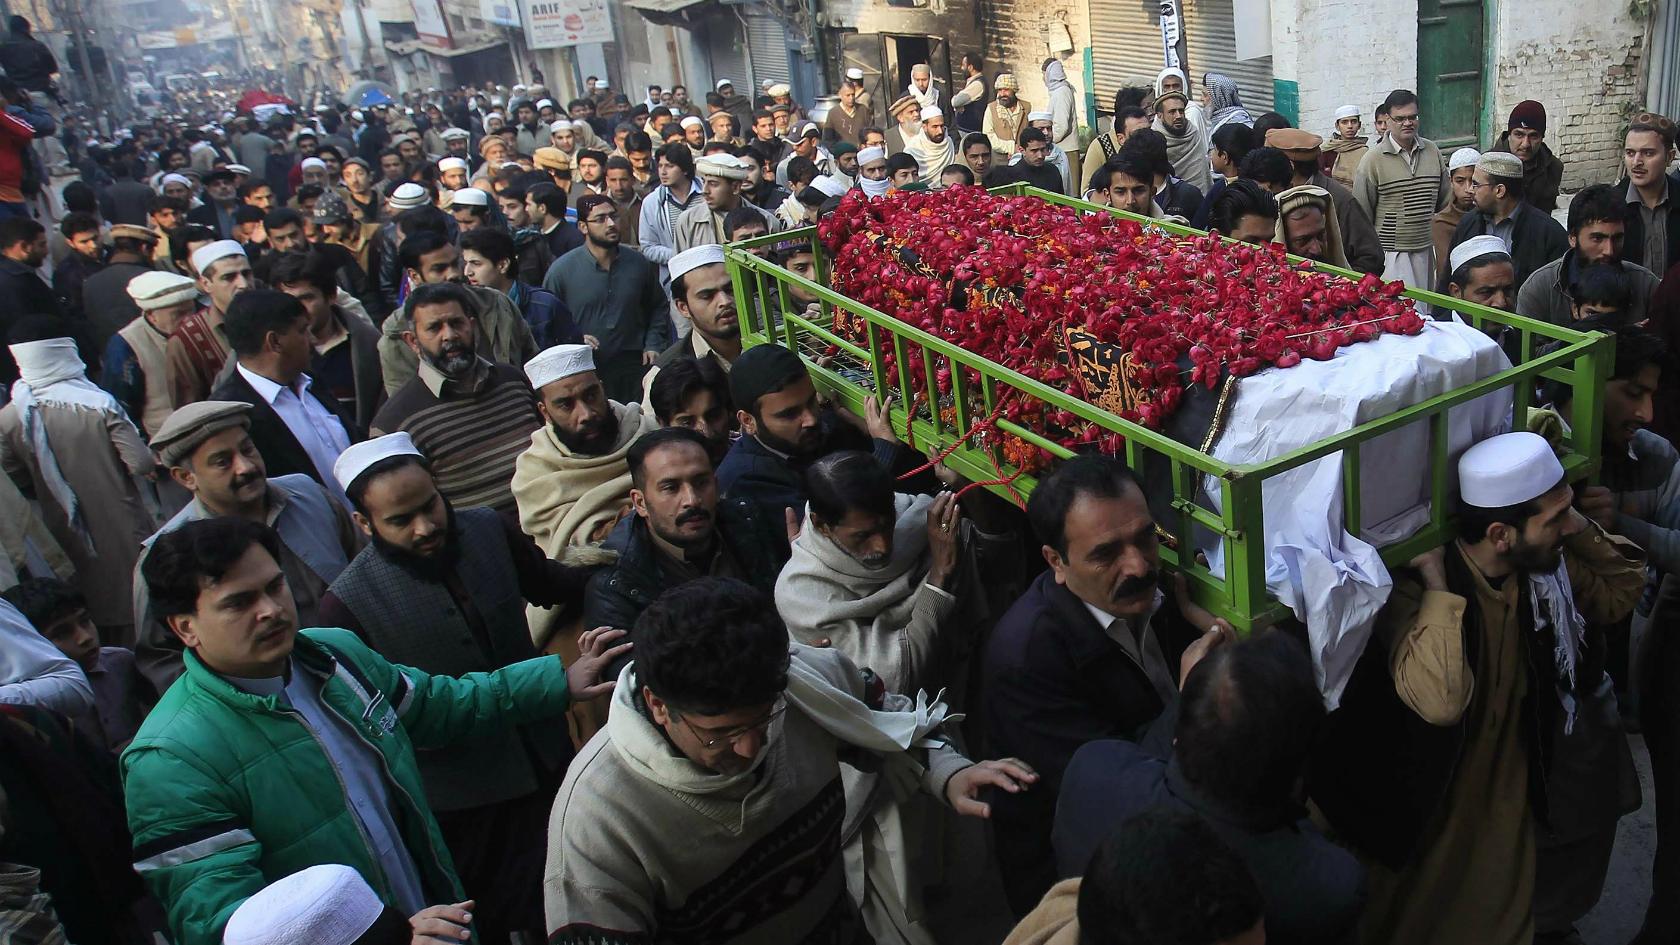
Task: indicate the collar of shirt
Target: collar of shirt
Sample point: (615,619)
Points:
(1633,193)
(270,390)
(693,191)
(441,384)
(340,335)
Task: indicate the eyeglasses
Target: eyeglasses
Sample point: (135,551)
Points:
(598,218)
(734,737)
(1404,119)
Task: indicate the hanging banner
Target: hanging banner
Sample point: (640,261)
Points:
(499,12)
(551,24)
(430,24)
(1170,34)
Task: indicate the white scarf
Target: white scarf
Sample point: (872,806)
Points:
(874,188)
(52,372)
(924,99)
(1550,596)
(931,158)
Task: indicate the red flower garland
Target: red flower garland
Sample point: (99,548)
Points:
(1026,270)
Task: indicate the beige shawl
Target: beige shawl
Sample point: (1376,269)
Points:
(567,499)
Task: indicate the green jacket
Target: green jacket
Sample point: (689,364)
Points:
(229,791)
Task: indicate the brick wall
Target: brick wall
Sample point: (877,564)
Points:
(1580,60)
(1015,30)
(1344,52)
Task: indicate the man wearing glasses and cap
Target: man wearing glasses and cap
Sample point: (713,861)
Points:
(1531,236)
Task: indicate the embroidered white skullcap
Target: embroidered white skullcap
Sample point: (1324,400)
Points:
(545,103)
(452,134)
(242,169)
(727,166)
(311,164)
(871,153)
(1507,470)
(328,904)
(469,197)
(453,164)
(160,289)
(558,363)
(559,124)
(1347,111)
(1475,246)
(1040,116)
(692,121)
(1463,157)
(1500,164)
(210,253)
(408,196)
(359,456)
(357,114)
(932,111)
(174,179)
(723,82)
(854,73)
(690,259)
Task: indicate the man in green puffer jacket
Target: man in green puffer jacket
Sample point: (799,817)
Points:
(279,750)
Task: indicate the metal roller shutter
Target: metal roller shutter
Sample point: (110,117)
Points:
(727,53)
(768,45)
(1211,46)
(1125,44)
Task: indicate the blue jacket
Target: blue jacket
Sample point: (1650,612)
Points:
(550,320)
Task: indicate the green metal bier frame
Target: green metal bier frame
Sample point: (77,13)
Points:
(1583,361)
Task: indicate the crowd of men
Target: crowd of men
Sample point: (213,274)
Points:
(401,546)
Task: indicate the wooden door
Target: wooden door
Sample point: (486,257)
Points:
(1450,63)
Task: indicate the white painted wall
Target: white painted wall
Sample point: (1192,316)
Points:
(1344,52)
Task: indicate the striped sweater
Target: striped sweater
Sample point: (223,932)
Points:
(1401,196)
(471,430)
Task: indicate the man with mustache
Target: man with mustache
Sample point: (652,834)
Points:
(472,417)
(444,590)
(1485,678)
(681,530)
(208,450)
(1096,648)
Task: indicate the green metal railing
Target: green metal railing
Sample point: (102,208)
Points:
(777,306)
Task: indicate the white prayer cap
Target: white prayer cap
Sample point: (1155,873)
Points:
(452,134)
(1040,116)
(692,121)
(408,196)
(767,84)
(560,362)
(159,289)
(1507,470)
(211,253)
(603,84)
(727,166)
(174,179)
(357,114)
(829,186)
(311,164)
(242,169)
(322,109)
(1347,111)
(1475,246)
(778,89)
(469,197)
(453,164)
(855,74)
(545,103)
(1463,157)
(497,101)
(871,154)
(933,111)
(328,904)
(559,125)
(690,259)
(359,456)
